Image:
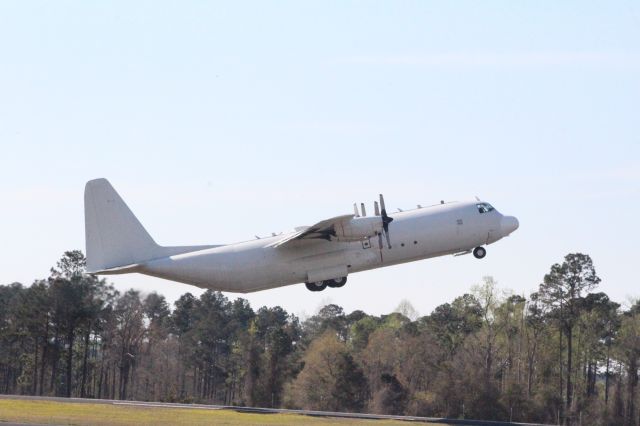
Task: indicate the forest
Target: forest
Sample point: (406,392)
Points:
(564,354)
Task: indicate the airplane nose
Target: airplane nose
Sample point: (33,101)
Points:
(508,224)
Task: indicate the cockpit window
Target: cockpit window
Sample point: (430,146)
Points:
(484,207)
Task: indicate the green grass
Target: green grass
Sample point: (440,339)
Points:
(51,412)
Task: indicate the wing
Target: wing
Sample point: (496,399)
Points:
(321,230)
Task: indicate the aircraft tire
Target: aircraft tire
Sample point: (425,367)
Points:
(479,252)
(315,287)
(337,283)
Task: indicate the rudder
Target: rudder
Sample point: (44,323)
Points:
(114,236)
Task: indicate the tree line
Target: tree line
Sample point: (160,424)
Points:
(564,354)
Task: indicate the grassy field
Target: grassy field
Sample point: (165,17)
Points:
(49,412)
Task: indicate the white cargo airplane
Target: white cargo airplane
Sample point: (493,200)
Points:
(321,256)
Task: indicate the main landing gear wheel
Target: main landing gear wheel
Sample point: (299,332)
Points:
(317,286)
(479,252)
(337,283)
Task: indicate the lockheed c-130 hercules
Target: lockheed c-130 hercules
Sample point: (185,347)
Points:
(321,256)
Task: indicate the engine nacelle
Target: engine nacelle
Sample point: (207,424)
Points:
(358,228)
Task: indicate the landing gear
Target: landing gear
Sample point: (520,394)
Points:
(479,252)
(317,286)
(321,285)
(337,283)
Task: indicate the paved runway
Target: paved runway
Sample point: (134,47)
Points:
(270,410)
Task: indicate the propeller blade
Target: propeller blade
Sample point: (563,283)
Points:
(385,229)
(355,210)
(386,220)
(364,212)
(376,208)
(380,241)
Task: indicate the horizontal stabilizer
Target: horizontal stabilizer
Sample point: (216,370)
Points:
(119,270)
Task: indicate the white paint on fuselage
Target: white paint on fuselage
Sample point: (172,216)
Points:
(253,265)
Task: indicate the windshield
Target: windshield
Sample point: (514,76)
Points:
(484,207)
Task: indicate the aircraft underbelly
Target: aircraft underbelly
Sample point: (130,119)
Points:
(261,267)
(284,267)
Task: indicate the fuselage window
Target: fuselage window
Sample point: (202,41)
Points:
(484,207)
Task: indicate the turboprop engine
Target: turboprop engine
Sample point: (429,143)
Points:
(358,228)
(361,227)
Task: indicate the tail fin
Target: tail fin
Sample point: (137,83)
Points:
(114,236)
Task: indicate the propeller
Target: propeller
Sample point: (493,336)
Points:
(386,220)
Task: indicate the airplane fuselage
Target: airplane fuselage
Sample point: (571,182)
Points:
(253,265)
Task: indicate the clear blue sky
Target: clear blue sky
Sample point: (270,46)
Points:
(219,121)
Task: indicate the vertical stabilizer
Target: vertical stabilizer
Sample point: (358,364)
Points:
(114,236)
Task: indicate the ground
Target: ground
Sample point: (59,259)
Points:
(52,412)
